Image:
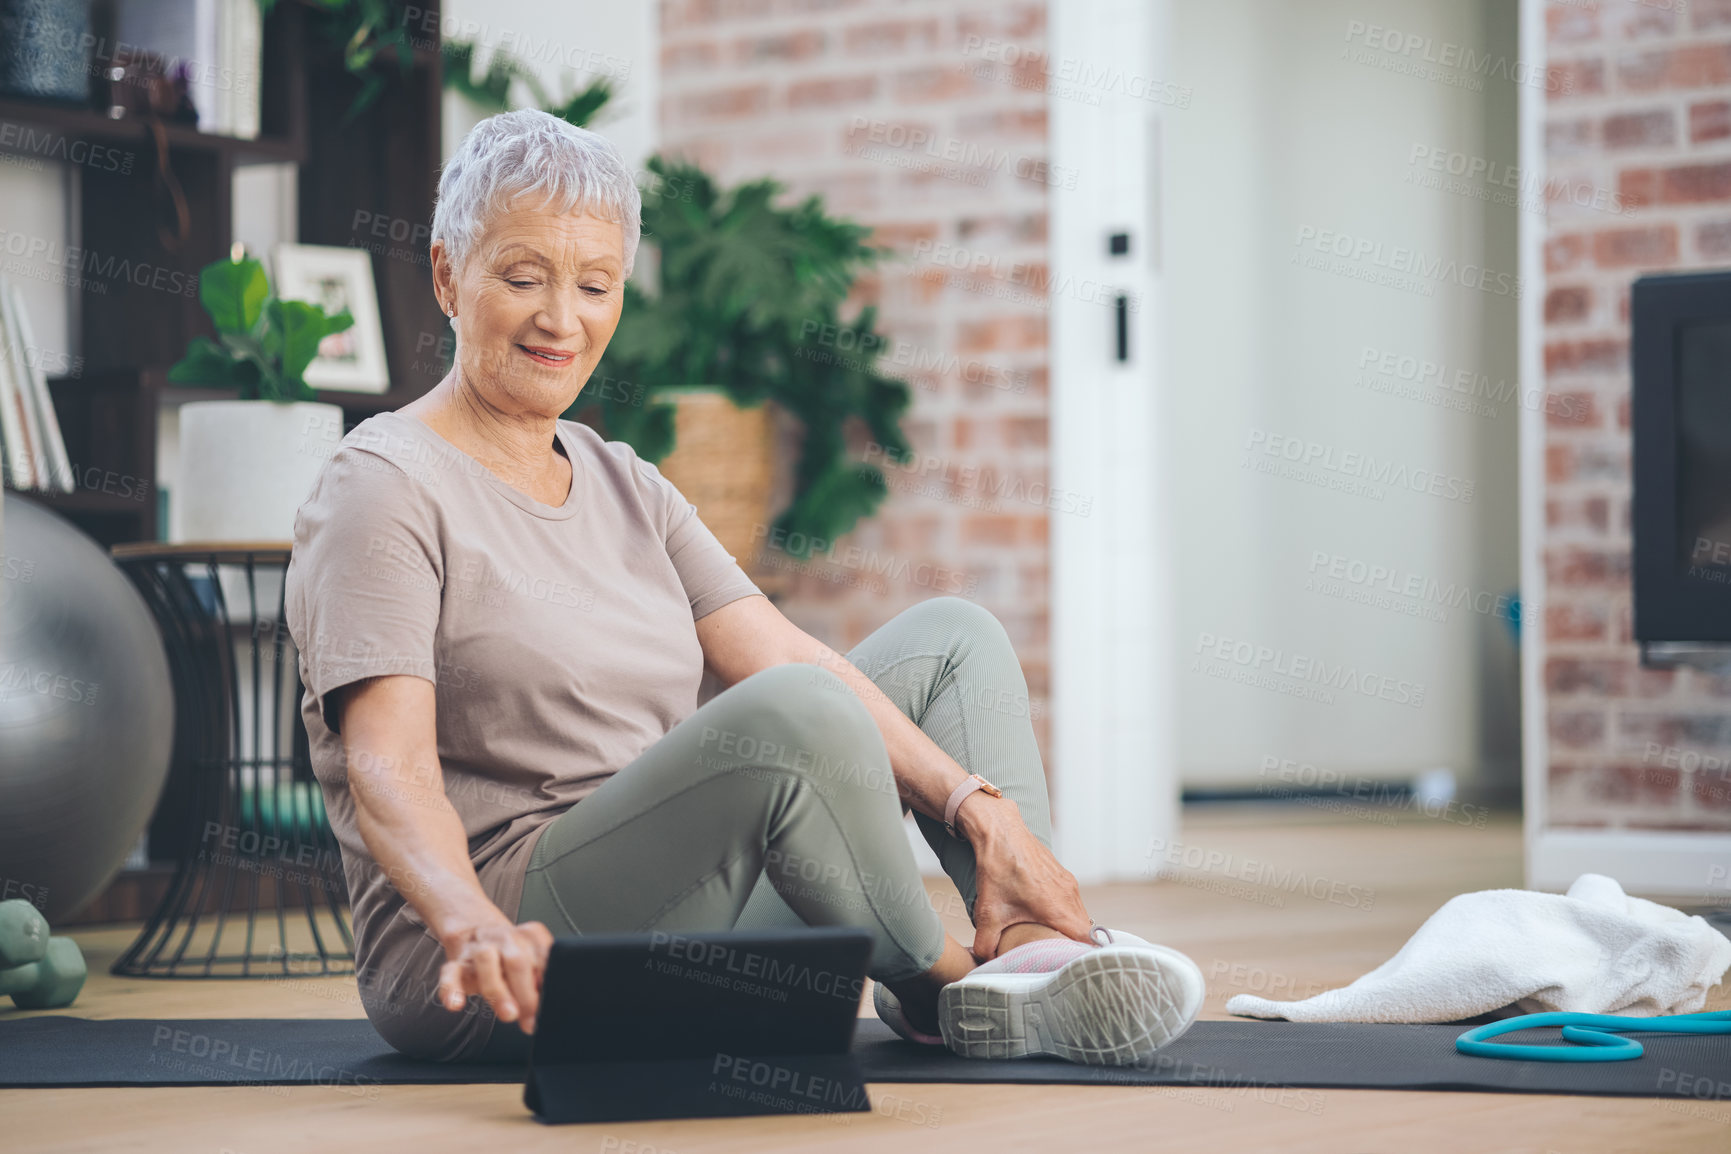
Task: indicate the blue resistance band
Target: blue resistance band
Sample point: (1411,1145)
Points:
(1597,1045)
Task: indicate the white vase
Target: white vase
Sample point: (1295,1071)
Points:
(246,466)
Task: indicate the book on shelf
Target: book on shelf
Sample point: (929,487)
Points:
(19,470)
(246,62)
(30,442)
(54,444)
(19,464)
(35,455)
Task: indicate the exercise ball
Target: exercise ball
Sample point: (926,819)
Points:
(86,712)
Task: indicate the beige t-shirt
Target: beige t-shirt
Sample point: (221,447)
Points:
(560,640)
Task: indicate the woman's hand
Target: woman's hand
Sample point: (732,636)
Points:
(1018,880)
(501,962)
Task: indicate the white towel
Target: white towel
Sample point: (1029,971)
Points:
(1595,950)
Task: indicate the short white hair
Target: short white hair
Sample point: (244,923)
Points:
(532,154)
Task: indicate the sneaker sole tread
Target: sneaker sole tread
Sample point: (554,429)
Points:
(1114,1006)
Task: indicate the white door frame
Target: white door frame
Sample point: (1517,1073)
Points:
(1114,687)
(1694,865)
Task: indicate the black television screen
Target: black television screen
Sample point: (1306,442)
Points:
(1681,507)
(1704,449)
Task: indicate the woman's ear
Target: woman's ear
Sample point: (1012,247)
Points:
(444,278)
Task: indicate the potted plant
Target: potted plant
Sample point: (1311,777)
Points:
(247,464)
(748,305)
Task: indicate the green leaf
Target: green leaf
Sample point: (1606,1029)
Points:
(834,502)
(206,365)
(493,91)
(371,87)
(266,347)
(302,326)
(581,108)
(256,353)
(233,293)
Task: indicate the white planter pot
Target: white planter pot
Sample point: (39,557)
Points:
(246,466)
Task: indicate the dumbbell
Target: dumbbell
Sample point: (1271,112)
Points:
(40,972)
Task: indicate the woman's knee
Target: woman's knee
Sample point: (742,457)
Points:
(807,700)
(805,719)
(950,614)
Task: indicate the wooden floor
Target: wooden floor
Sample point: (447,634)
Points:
(1382,882)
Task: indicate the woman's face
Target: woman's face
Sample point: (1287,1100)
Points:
(537,300)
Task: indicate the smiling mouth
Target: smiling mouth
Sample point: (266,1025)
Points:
(551,357)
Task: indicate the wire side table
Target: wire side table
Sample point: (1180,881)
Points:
(258,888)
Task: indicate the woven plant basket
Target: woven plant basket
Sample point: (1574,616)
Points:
(724,461)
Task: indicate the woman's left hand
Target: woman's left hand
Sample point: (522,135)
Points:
(1019,880)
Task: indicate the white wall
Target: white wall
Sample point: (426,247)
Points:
(568,45)
(266,210)
(1285,133)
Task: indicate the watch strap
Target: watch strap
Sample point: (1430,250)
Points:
(970,784)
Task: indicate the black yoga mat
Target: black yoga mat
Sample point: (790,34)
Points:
(1252,1057)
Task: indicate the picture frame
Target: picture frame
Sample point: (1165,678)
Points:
(337,277)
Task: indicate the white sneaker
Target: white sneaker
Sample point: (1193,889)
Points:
(1110,1005)
(1106,937)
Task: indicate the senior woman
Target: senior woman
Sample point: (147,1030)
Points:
(503,621)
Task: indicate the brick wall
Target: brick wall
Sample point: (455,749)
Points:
(902,117)
(1639,166)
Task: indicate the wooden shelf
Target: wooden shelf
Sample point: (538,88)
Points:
(89,124)
(360,403)
(367,404)
(108,419)
(225,552)
(83,501)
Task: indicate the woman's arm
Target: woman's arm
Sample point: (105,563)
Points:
(417,839)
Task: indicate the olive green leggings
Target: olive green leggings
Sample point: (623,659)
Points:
(773,804)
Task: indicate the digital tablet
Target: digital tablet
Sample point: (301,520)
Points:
(680,1025)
